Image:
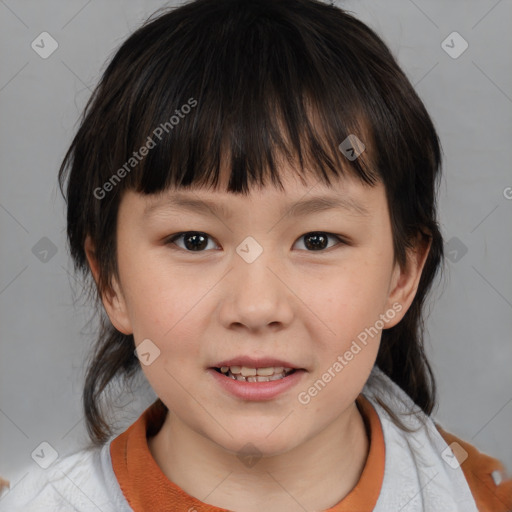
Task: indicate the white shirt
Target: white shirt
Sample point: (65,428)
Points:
(416,476)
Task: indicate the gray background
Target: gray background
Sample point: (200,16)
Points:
(44,337)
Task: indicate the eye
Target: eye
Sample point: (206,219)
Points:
(317,240)
(197,241)
(194,241)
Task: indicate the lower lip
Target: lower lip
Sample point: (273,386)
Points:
(256,390)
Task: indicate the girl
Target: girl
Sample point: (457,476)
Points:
(252,197)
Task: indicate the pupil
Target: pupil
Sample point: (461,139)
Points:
(197,237)
(318,241)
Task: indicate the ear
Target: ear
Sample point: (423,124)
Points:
(405,280)
(113,299)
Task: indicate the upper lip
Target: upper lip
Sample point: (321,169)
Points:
(252,362)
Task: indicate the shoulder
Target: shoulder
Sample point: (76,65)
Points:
(486,476)
(79,481)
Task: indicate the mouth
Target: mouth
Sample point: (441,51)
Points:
(251,384)
(251,374)
(256,378)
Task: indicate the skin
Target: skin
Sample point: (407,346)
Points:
(293,303)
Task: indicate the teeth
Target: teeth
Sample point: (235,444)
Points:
(246,374)
(267,372)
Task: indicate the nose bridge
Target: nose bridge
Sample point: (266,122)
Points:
(255,294)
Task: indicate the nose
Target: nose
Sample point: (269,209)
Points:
(256,296)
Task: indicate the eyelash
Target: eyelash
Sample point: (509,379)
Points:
(170,240)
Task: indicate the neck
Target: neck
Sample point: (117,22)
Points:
(331,463)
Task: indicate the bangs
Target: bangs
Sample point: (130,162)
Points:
(231,89)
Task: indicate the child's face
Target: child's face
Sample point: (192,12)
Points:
(294,303)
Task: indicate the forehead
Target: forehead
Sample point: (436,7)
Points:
(296,199)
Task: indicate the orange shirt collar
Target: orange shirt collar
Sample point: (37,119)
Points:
(145,486)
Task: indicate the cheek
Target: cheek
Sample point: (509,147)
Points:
(349,305)
(161,298)
(354,294)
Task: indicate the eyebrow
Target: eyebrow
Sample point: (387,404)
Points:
(300,208)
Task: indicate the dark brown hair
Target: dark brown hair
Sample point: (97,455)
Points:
(216,83)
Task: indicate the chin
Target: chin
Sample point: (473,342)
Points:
(259,443)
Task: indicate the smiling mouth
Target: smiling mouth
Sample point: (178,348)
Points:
(245,374)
